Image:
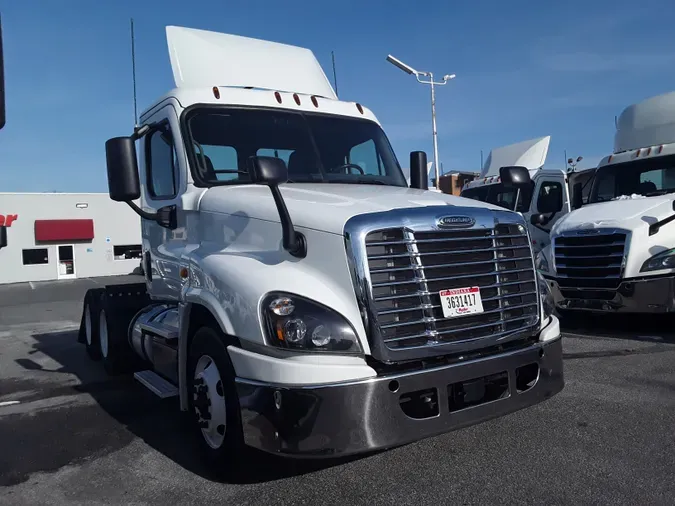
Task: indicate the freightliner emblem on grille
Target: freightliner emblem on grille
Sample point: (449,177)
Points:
(455,221)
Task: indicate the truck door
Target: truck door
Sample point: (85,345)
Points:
(551,200)
(163,176)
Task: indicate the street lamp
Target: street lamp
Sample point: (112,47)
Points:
(409,70)
(573,164)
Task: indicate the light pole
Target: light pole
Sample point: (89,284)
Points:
(573,163)
(409,70)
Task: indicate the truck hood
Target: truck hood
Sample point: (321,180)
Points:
(324,207)
(628,214)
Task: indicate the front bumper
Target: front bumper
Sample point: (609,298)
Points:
(636,295)
(366,415)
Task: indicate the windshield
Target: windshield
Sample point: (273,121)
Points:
(649,177)
(498,195)
(316,148)
(585,178)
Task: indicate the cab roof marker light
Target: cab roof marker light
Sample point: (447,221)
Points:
(277,95)
(216,92)
(649,150)
(359,107)
(315,101)
(296,98)
(660,149)
(637,153)
(610,158)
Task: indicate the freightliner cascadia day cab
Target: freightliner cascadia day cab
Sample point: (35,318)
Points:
(618,252)
(549,196)
(299,296)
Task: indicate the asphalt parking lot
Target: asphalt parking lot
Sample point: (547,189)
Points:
(77,436)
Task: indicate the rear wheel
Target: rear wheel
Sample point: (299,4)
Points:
(116,353)
(214,405)
(91,331)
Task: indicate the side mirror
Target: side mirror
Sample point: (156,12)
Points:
(419,177)
(123,183)
(577,196)
(2,83)
(3,237)
(538,219)
(514,176)
(272,171)
(268,170)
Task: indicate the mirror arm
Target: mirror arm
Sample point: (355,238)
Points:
(165,216)
(140,132)
(294,242)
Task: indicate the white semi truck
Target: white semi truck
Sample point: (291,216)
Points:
(617,253)
(299,296)
(549,196)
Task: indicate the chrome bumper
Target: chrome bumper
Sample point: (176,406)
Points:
(361,416)
(636,295)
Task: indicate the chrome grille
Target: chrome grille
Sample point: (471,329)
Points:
(409,268)
(593,260)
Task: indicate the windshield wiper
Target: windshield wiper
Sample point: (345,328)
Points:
(657,193)
(359,180)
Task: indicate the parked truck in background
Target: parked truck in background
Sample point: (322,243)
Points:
(549,196)
(617,253)
(299,296)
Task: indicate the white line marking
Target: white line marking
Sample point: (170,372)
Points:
(32,286)
(8,403)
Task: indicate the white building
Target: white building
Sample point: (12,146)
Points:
(67,235)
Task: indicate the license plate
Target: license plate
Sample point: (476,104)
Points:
(461,301)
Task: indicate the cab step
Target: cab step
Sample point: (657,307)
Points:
(156,384)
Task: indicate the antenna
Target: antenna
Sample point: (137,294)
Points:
(481,159)
(332,54)
(133,71)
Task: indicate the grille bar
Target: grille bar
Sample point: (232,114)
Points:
(431,319)
(421,293)
(443,266)
(391,311)
(402,255)
(593,261)
(423,241)
(408,269)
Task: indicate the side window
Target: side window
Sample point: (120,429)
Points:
(219,163)
(161,164)
(365,156)
(606,187)
(550,197)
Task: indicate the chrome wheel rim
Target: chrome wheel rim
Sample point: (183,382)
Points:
(209,402)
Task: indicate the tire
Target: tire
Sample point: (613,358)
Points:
(216,418)
(91,330)
(116,353)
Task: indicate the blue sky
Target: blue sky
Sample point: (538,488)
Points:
(524,70)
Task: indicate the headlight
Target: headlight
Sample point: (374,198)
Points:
(540,262)
(663,260)
(547,302)
(295,323)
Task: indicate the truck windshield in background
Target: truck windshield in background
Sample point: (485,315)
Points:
(317,148)
(649,177)
(504,197)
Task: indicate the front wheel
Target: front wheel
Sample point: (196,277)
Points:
(214,405)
